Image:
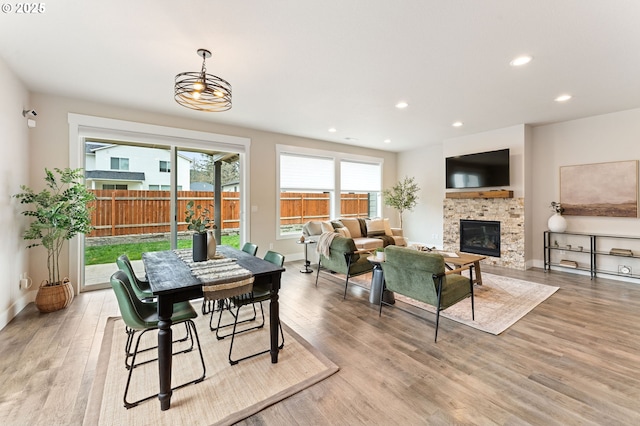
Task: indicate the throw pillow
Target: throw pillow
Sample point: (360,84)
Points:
(375,228)
(326,227)
(313,227)
(353,226)
(336,224)
(387,228)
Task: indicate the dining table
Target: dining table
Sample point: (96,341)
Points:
(172,279)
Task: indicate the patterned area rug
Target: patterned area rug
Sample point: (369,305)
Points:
(227,395)
(499,303)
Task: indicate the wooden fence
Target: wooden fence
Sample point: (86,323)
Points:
(126,212)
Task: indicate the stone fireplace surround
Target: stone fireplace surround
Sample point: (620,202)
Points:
(508,211)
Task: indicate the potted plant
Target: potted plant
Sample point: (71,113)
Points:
(199,220)
(60,212)
(402,196)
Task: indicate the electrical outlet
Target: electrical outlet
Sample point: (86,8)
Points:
(270,246)
(624,269)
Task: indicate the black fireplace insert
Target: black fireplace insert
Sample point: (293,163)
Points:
(480,237)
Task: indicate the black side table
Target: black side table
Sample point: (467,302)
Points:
(306,269)
(377,282)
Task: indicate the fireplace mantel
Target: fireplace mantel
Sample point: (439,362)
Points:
(480,194)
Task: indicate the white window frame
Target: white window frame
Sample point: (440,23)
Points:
(86,127)
(337,157)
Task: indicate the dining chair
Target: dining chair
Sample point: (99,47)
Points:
(141,287)
(142,290)
(250,248)
(143,317)
(259,294)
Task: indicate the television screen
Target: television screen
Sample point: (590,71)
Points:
(484,169)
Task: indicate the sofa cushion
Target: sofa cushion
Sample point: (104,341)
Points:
(326,227)
(375,227)
(366,243)
(353,226)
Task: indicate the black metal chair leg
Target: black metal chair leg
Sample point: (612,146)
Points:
(236,361)
(192,332)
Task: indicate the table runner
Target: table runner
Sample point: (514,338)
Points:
(221,277)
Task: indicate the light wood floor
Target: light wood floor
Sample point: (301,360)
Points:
(573,360)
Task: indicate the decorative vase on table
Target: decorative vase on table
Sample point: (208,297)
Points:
(557,223)
(199,247)
(211,244)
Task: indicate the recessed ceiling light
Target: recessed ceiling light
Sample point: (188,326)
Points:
(457,124)
(402,105)
(332,129)
(562,98)
(521,60)
(387,141)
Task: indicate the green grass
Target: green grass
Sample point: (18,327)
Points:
(97,255)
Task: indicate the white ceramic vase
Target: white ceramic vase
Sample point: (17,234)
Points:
(211,245)
(557,223)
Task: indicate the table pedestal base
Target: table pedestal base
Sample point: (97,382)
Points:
(377,281)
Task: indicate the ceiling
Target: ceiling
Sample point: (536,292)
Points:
(300,67)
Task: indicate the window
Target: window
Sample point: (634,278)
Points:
(165,166)
(112,186)
(119,163)
(310,179)
(163,187)
(306,190)
(360,186)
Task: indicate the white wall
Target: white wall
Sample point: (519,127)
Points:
(14,171)
(426,164)
(599,139)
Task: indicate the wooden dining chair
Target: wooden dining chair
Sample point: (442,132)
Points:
(257,296)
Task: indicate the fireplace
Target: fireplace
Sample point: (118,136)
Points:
(480,237)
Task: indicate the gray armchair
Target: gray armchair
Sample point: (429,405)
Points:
(344,258)
(421,276)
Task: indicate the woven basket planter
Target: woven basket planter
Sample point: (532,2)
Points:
(51,298)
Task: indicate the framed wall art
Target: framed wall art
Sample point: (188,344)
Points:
(601,189)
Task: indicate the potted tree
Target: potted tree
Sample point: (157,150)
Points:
(60,212)
(199,220)
(402,196)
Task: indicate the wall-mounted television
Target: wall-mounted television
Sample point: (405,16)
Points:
(480,170)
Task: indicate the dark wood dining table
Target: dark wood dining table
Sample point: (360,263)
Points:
(171,281)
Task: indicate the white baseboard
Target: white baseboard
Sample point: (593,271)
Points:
(8,314)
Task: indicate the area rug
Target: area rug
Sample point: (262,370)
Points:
(227,395)
(499,302)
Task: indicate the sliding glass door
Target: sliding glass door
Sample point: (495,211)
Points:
(141,195)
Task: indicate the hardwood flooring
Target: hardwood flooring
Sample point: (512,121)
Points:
(572,360)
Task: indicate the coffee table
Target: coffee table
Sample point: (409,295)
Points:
(465,259)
